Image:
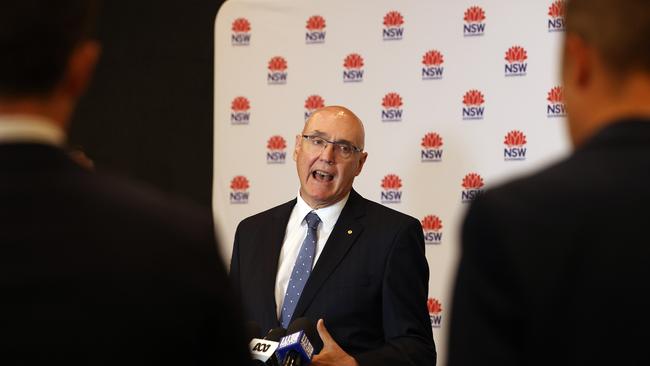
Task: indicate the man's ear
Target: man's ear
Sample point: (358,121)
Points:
(296,147)
(362,161)
(80,69)
(578,62)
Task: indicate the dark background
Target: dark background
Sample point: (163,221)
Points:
(148,113)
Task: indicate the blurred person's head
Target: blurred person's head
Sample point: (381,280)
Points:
(48,55)
(606,63)
(329,155)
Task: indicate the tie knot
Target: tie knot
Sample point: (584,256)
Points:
(312,220)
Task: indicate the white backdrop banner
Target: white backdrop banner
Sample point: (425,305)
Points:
(455,96)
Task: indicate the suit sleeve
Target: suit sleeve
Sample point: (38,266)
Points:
(407,328)
(487,310)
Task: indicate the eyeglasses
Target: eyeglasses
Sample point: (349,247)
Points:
(342,149)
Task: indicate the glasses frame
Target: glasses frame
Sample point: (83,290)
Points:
(336,144)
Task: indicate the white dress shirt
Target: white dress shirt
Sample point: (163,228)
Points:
(16,128)
(294,236)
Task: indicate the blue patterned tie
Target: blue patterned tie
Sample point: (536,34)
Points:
(301,270)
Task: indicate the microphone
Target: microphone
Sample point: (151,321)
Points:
(296,348)
(263,350)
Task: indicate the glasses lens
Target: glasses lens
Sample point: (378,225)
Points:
(344,150)
(317,144)
(316,141)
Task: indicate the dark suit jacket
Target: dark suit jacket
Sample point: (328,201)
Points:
(555,268)
(370,283)
(95,271)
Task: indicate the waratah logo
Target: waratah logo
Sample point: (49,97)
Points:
(431,148)
(315,30)
(474,22)
(473,105)
(313,103)
(276,153)
(432,227)
(393,26)
(277,71)
(241,32)
(239,190)
(353,68)
(435,312)
(240,114)
(555,106)
(472,184)
(392,111)
(391,185)
(433,69)
(516,64)
(556,16)
(515,149)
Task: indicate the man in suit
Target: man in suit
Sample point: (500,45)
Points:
(93,270)
(555,266)
(370,276)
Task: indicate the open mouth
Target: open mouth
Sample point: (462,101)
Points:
(322,176)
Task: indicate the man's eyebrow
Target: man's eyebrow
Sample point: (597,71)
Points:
(317,133)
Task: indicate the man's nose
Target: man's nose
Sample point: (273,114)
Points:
(327,154)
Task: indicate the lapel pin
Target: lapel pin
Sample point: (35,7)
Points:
(349,232)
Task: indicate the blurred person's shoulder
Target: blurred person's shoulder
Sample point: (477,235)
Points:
(127,200)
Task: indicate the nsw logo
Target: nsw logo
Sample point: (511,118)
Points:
(393,26)
(433,69)
(353,68)
(474,22)
(392,111)
(277,71)
(276,153)
(472,184)
(241,32)
(391,192)
(516,64)
(556,16)
(435,312)
(515,149)
(240,114)
(431,148)
(473,105)
(313,103)
(432,227)
(239,190)
(555,106)
(315,30)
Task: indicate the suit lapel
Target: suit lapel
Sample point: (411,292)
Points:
(343,236)
(274,238)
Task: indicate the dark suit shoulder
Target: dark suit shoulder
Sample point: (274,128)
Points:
(378,212)
(615,162)
(145,205)
(265,216)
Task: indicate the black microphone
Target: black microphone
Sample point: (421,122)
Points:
(296,348)
(263,350)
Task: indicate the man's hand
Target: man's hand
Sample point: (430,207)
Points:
(331,354)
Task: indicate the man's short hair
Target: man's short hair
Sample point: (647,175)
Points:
(37,38)
(618,29)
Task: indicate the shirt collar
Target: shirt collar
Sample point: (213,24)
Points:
(328,215)
(30,129)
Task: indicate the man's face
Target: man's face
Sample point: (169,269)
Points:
(325,176)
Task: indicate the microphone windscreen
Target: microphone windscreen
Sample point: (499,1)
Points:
(309,327)
(275,334)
